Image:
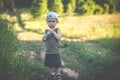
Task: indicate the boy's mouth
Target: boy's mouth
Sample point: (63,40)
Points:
(51,27)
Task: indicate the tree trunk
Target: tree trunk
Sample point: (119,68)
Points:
(1,4)
(13,5)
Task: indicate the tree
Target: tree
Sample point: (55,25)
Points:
(39,8)
(79,7)
(88,7)
(69,6)
(1,4)
(55,5)
(109,5)
(13,4)
(106,8)
(7,4)
(113,5)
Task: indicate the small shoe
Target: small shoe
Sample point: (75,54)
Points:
(50,77)
(58,77)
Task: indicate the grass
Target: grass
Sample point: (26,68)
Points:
(80,28)
(90,45)
(91,60)
(72,27)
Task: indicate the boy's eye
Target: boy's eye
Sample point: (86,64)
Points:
(51,21)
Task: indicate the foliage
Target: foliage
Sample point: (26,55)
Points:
(112,4)
(112,43)
(95,56)
(106,8)
(69,6)
(39,8)
(15,4)
(94,62)
(88,7)
(55,5)
(9,52)
(13,64)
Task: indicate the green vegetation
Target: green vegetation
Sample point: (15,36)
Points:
(55,5)
(90,47)
(10,52)
(82,7)
(39,8)
(69,7)
(90,43)
(91,60)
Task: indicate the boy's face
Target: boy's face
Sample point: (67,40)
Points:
(51,22)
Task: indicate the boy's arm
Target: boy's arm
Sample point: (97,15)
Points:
(56,34)
(44,38)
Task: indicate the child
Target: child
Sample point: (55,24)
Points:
(52,38)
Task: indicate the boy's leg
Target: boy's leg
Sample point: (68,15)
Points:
(57,71)
(51,74)
(51,71)
(58,75)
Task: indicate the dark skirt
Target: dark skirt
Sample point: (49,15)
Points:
(52,60)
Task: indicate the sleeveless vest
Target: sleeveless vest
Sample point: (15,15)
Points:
(52,44)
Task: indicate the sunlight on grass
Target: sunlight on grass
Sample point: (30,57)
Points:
(29,36)
(78,28)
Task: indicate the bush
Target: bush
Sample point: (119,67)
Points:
(55,5)
(39,8)
(9,52)
(69,6)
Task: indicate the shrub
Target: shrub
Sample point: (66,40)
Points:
(69,6)
(88,7)
(39,8)
(9,52)
(55,5)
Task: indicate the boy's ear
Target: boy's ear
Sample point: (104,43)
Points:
(57,20)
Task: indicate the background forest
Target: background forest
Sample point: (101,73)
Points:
(90,42)
(80,7)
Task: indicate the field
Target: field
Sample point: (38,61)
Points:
(82,28)
(90,46)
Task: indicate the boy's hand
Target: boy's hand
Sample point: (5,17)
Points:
(44,38)
(56,34)
(51,31)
